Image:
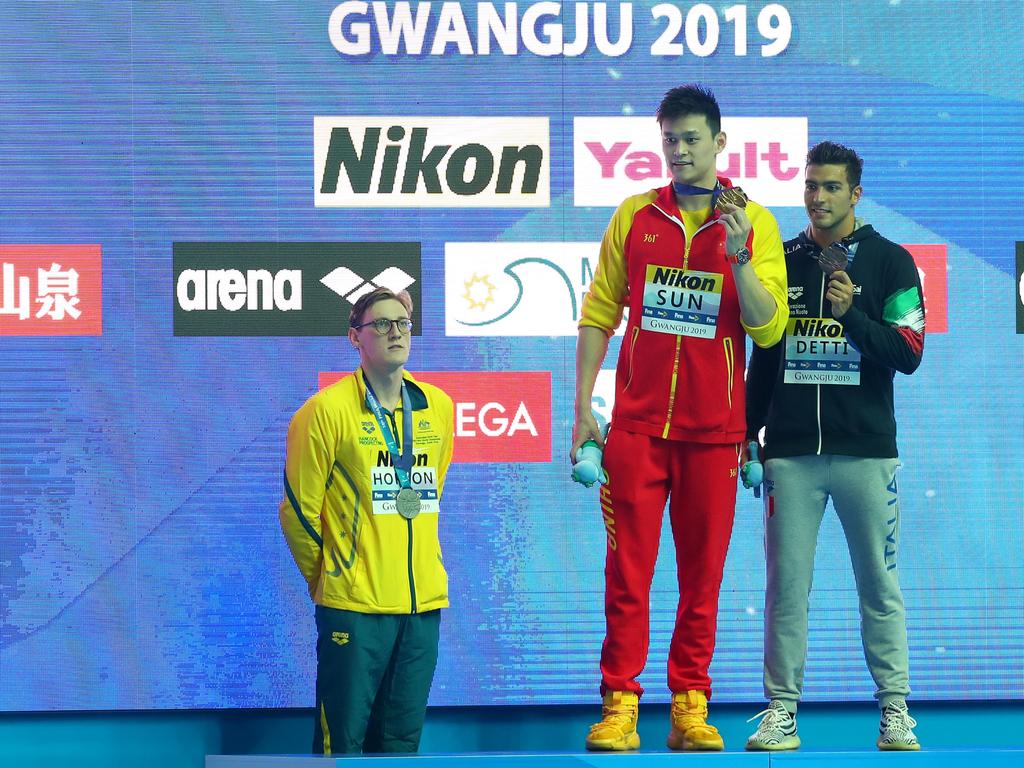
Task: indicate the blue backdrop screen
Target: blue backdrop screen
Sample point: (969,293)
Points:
(192,194)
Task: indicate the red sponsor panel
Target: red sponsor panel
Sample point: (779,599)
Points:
(51,290)
(931,266)
(499,416)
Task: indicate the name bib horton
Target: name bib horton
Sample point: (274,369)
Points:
(817,352)
(681,302)
(386,485)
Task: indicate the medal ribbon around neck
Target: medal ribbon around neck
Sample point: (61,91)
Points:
(403,460)
(686,190)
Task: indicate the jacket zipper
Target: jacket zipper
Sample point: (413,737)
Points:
(412,580)
(817,406)
(632,350)
(679,339)
(729,367)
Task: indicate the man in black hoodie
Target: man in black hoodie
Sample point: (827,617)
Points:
(824,397)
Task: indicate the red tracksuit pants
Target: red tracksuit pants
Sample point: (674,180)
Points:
(699,480)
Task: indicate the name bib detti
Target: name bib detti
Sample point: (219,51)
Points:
(817,352)
(681,302)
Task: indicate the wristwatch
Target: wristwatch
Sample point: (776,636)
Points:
(742,256)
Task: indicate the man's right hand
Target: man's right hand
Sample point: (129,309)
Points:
(585,429)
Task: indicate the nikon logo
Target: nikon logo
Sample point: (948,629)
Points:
(431,162)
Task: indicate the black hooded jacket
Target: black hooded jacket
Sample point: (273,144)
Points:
(827,386)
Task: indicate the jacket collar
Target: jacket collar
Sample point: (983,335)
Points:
(417,397)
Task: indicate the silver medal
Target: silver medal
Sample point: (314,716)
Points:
(408,503)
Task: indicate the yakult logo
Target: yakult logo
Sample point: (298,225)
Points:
(499,416)
(431,162)
(51,290)
(614,157)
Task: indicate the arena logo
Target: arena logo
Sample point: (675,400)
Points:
(430,162)
(198,290)
(614,157)
(51,290)
(933,269)
(284,289)
(499,416)
(521,289)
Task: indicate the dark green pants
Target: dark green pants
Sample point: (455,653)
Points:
(373,676)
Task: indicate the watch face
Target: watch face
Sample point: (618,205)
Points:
(742,256)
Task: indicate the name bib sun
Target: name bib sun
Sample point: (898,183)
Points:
(681,302)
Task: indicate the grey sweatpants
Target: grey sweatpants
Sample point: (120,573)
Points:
(864,495)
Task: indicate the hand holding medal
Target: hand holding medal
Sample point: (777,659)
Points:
(731,203)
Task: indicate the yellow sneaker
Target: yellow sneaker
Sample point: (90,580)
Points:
(690,729)
(617,730)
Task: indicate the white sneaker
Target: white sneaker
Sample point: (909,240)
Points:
(776,731)
(894,729)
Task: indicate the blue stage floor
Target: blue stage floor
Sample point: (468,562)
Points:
(961,758)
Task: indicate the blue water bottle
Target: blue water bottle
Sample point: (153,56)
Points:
(752,472)
(588,470)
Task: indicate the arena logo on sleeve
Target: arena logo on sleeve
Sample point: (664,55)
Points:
(932,267)
(285,289)
(614,157)
(51,290)
(499,416)
(431,162)
(519,289)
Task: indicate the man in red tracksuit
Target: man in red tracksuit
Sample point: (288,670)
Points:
(695,272)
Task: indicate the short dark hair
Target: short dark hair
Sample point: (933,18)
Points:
(690,99)
(831,153)
(367,300)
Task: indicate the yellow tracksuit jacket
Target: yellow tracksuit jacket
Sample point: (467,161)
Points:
(354,550)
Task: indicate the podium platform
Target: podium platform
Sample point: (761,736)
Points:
(959,758)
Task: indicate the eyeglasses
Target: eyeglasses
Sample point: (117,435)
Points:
(383,326)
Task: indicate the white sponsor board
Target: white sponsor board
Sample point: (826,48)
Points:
(614,157)
(517,289)
(431,162)
(603,399)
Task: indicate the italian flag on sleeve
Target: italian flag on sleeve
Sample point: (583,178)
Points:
(904,311)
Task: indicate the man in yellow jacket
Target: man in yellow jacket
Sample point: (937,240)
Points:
(367,459)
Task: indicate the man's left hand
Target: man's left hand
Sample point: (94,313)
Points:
(737,227)
(840,293)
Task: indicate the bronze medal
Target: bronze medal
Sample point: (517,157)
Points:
(835,257)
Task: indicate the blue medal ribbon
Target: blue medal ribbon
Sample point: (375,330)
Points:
(686,190)
(403,460)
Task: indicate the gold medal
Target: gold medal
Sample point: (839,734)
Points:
(732,196)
